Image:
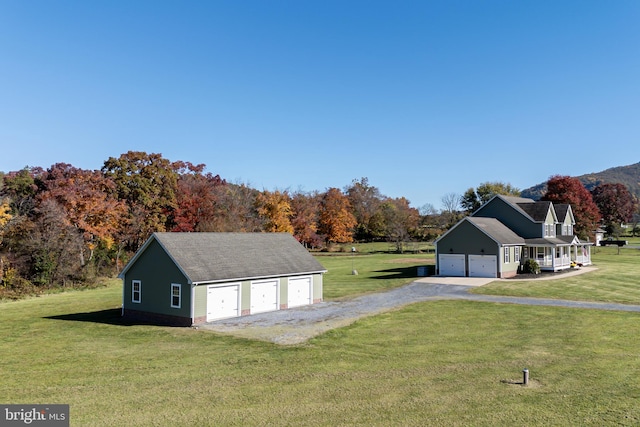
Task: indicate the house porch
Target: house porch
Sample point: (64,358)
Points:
(556,258)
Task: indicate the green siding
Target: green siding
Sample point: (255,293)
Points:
(157,272)
(515,220)
(512,265)
(467,239)
(200,308)
(317,287)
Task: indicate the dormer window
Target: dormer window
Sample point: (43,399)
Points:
(549,230)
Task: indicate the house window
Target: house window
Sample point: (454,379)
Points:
(549,230)
(506,255)
(516,254)
(175,296)
(136,291)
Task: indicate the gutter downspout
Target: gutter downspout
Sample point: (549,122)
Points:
(122,309)
(193,303)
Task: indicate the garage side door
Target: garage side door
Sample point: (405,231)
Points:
(451,265)
(299,292)
(264,296)
(223,302)
(483,266)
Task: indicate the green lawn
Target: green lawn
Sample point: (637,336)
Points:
(441,363)
(617,279)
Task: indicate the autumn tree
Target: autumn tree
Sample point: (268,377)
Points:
(234,210)
(564,189)
(21,189)
(86,198)
(147,183)
(400,221)
(305,207)
(365,201)
(336,222)
(275,208)
(616,204)
(472,199)
(196,197)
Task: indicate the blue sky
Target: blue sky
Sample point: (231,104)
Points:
(424,98)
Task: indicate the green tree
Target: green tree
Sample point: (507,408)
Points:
(474,198)
(147,183)
(400,221)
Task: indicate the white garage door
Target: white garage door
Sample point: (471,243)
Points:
(483,266)
(451,265)
(222,302)
(264,296)
(299,291)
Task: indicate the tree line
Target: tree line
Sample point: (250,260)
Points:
(64,226)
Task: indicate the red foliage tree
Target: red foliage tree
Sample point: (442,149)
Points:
(195,198)
(615,202)
(305,218)
(565,189)
(85,197)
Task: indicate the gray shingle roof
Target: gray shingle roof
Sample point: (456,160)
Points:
(549,241)
(562,209)
(536,210)
(496,230)
(210,257)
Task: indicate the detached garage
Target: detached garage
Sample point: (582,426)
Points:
(190,278)
(478,247)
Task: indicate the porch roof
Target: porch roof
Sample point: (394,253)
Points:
(547,241)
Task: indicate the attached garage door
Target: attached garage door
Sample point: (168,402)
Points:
(483,266)
(299,291)
(222,302)
(264,296)
(451,265)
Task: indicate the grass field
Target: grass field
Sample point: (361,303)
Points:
(441,363)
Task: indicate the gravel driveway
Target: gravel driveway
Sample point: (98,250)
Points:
(297,325)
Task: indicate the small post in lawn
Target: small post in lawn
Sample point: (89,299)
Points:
(525,376)
(354,272)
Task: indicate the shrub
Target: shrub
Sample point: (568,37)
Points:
(530,266)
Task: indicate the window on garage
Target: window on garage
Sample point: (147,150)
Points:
(136,291)
(175,295)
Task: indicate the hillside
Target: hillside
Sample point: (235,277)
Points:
(627,175)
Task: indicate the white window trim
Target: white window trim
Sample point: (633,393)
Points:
(133,292)
(507,258)
(173,286)
(516,254)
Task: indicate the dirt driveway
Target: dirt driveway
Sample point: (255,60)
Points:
(297,325)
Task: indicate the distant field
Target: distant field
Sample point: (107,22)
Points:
(441,363)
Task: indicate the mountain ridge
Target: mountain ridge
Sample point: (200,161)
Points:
(628,175)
